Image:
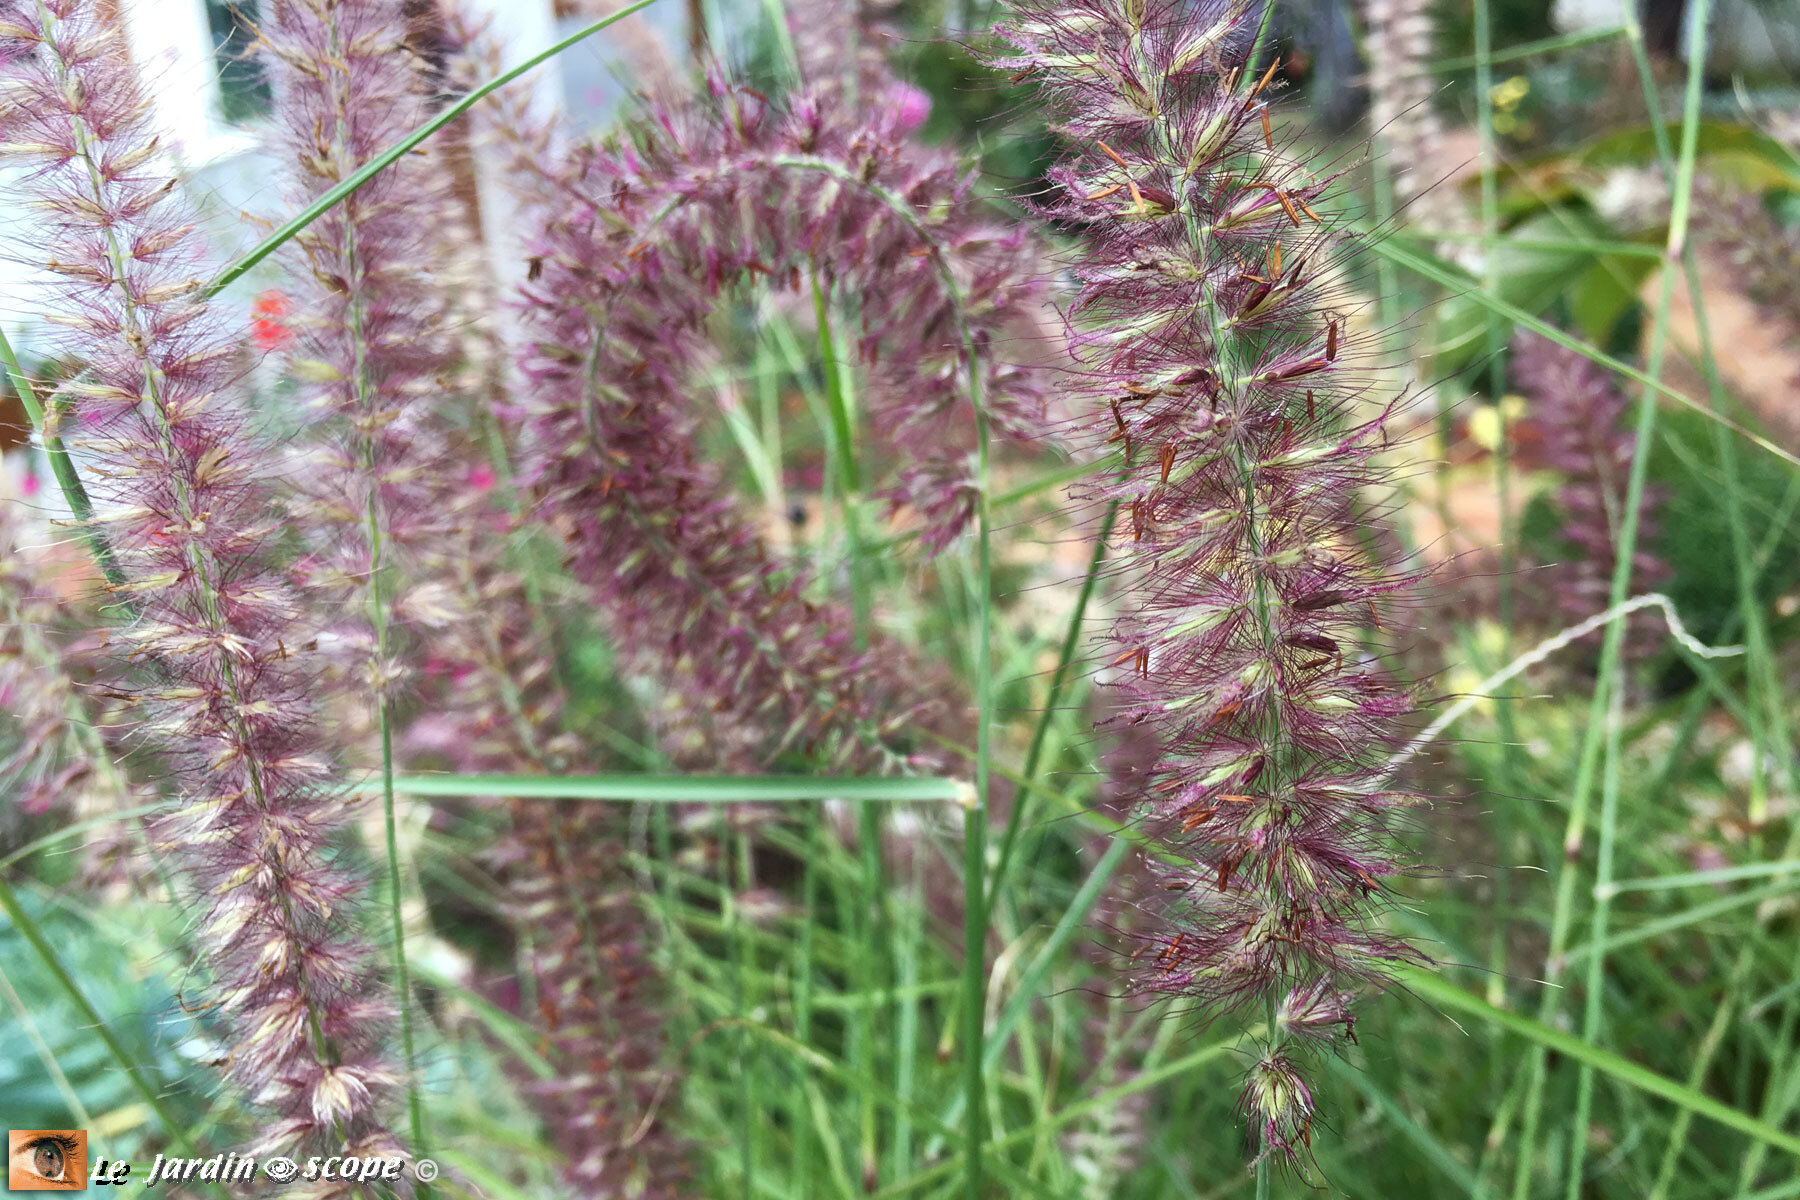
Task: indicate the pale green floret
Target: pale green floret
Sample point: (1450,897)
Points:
(1204,42)
(1300,869)
(1220,774)
(1207,142)
(1182,473)
(1206,621)
(1145,324)
(1085,63)
(1301,454)
(1245,216)
(1074,23)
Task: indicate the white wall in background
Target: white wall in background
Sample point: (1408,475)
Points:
(172,47)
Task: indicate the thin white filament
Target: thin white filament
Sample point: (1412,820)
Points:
(1544,650)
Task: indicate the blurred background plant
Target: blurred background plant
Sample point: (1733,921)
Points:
(1584,229)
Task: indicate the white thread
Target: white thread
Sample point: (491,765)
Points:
(1544,650)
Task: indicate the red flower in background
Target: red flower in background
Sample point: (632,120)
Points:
(267,328)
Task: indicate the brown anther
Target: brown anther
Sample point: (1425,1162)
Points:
(1113,154)
(1331,340)
(1232,798)
(1143,663)
(1310,415)
(1195,815)
(1168,461)
(1267,75)
(1306,366)
(1314,601)
(1137,197)
(1227,865)
(1268,133)
(1309,212)
(1226,711)
(1129,654)
(1287,206)
(1103,193)
(1275,260)
(1163,200)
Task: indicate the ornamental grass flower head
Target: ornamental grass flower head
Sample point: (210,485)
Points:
(1578,414)
(648,236)
(182,493)
(363,322)
(1221,366)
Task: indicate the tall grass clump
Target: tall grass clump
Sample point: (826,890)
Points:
(698,515)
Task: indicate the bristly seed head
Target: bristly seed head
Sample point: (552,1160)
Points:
(1250,610)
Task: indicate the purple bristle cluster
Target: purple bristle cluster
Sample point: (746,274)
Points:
(1221,362)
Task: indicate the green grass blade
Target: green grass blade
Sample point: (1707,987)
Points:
(68,832)
(1448,996)
(685,789)
(67,480)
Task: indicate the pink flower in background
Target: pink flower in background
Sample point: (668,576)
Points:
(31,485)
(911,107)
(482,478)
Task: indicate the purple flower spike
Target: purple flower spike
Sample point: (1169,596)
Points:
(369,347)
(184,494)
(1221,366)
(1580,413)
(647,237)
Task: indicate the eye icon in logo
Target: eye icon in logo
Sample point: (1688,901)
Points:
(281,1170)
(46,1160)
